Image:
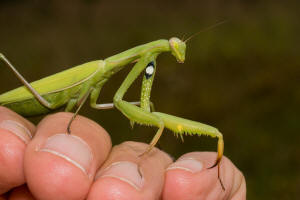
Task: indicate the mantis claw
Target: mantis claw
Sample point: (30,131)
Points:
(217,163)
(218,160)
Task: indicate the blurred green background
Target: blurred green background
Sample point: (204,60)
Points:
(241,77)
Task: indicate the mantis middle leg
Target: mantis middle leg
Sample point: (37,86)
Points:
(95,93)
(86,91)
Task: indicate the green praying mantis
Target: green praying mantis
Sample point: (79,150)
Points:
(72,87)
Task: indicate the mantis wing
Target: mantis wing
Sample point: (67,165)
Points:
(53,83)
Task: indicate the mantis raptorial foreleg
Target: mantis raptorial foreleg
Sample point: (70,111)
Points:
(181,126)
(143,115)
(134,113)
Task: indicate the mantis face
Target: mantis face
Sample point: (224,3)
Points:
(177,49)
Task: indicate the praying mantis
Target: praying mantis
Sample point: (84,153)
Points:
(72,87)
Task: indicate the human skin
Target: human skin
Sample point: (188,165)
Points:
(84,165)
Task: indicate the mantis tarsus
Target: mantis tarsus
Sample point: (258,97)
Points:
(72,87)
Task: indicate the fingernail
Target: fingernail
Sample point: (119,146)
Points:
(18,129)
(125,171)
(189,164)
(71,148)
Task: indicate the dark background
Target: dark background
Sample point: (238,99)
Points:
(241,77)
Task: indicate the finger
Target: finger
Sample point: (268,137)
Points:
(62,166)
(15,133)
(21,193)
(126,175)
(190,178)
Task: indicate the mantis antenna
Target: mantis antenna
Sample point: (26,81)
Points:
(203,30)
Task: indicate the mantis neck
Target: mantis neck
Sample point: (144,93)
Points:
(117,62)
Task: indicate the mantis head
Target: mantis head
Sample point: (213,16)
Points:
(177,49)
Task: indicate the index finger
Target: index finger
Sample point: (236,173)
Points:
(60,165)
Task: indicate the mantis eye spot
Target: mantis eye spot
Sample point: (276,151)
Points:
(149,70)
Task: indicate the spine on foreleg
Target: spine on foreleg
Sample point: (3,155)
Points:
(184,126)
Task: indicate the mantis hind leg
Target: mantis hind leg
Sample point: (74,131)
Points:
(42,100)
(181,126)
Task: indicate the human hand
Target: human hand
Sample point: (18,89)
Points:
(84,165)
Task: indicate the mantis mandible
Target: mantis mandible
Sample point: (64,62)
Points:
(71,88)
